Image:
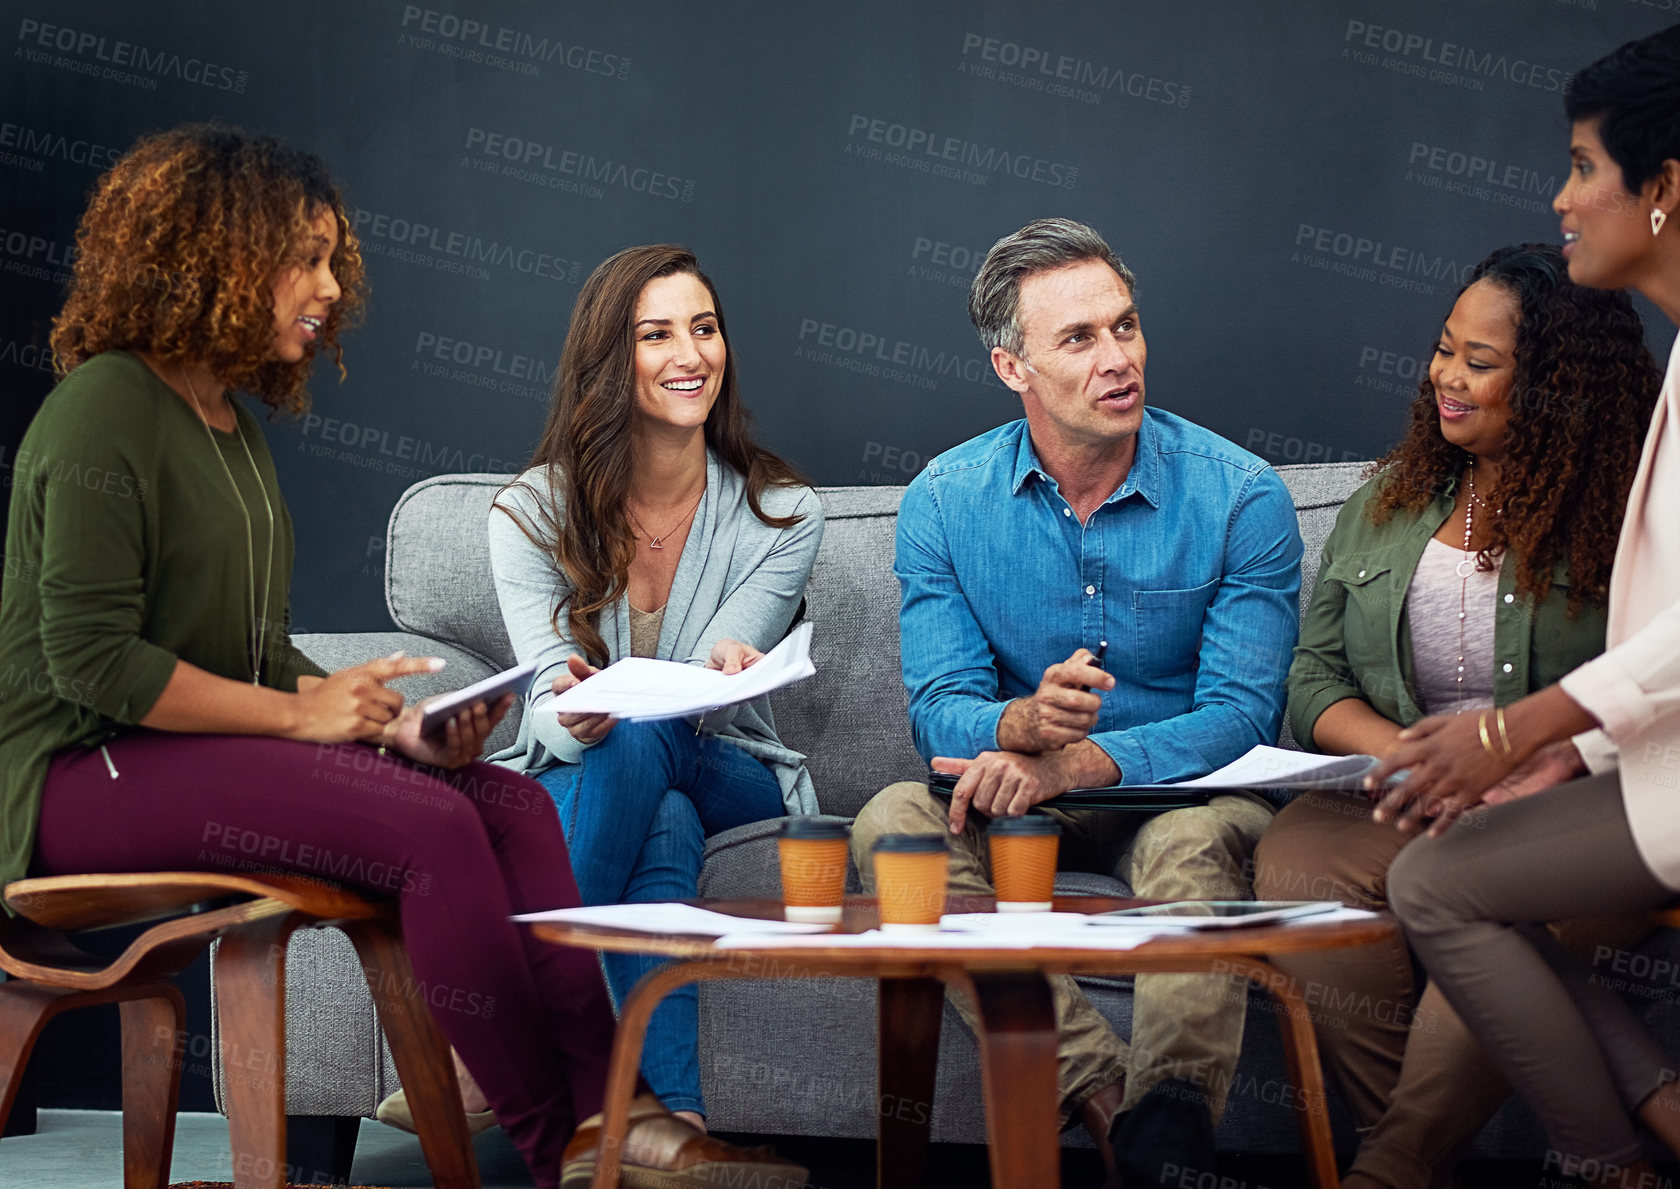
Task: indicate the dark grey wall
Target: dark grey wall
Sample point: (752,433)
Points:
(1299,187)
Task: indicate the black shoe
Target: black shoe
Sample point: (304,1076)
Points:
(1167,1134)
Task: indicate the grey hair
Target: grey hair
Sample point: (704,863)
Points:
(994,299)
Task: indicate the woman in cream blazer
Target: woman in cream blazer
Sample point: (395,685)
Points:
(1472,899)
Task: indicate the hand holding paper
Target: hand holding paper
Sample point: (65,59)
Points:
(642,688)
(585,728)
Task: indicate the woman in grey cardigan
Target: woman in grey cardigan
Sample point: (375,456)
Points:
(650,524)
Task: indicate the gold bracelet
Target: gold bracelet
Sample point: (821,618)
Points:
(1504,739)
(1487,740)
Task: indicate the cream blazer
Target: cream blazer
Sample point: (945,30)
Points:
(1633,688)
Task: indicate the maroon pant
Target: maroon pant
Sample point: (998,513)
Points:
(459,851)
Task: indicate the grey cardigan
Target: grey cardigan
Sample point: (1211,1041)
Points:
(738,578)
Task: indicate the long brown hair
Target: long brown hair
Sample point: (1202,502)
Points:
(585,444)
(177,253)
(1581,397)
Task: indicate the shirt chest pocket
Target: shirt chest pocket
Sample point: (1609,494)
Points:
(1367,613)
(1169,629)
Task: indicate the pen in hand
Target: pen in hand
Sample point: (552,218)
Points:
(1096,661)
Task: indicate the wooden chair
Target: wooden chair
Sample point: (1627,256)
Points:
(253,916)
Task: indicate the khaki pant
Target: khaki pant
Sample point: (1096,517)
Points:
(1183,1025)
(1419,1084)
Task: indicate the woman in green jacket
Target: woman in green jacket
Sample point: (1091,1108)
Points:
(1471,569)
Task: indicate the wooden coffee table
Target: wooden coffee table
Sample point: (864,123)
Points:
(1012,996)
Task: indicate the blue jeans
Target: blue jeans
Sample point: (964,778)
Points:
(636,813)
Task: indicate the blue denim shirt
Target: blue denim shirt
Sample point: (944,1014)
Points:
(1191,571)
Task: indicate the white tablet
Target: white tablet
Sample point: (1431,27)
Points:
(513,681)
(1215,914)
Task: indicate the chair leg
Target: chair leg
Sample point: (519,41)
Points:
(420,1052)
(251,1008)
(22,1119)
(151,1074)
(24,1008)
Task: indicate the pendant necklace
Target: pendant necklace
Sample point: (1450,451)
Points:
(658,542)
(1467,567)
(258,623)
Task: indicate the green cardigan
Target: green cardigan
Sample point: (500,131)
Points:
(125,552)
(1356,643)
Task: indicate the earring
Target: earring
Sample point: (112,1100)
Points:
(1658,218)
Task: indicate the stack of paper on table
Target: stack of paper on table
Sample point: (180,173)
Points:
(642,688)
(664,919)
(1011,931)
(965,931)
(969,930)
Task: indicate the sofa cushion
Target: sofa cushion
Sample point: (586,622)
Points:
(437,565)
(744,863)
(1319,491)
(850,720)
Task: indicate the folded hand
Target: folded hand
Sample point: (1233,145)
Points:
(1003,783)
(1448,771)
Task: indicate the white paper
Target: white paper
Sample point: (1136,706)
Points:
(974,930)
(1279,768)
(667,918)
(1344,913)
(875,939)
(1001,922)
(642,688)
(1008,939)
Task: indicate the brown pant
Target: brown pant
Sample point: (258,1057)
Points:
(1185,1026)
(1419,1084)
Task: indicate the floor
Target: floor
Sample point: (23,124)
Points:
(83,1150)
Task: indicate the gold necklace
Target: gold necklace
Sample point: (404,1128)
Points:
(658,542)
(259,624)
(1467,567)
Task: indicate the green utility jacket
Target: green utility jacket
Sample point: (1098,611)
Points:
(1355,641)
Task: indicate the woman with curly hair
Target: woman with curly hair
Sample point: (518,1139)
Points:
(651,524)
(1471,569)
(1471,896)
(151,686)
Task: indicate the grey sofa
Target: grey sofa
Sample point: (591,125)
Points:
(791,1057)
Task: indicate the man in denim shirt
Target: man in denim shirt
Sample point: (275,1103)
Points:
(1021,550)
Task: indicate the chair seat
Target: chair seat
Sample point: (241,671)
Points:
(72,902)
(254,915)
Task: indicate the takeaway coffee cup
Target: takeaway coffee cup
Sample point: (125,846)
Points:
(1024,861)
(813,852)
(911,872)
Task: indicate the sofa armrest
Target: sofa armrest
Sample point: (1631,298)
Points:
(743,863)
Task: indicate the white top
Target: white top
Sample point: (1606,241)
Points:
(1633,689)
(1451,615)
